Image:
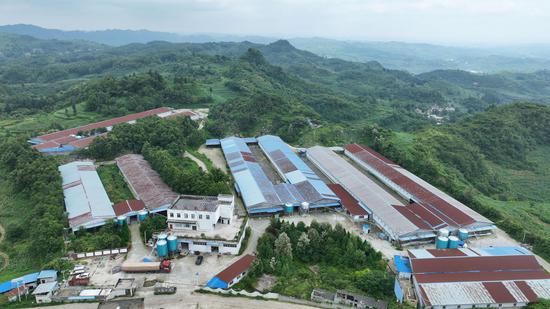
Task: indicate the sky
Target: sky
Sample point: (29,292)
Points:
(455,22)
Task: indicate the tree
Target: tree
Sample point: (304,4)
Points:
(283,246)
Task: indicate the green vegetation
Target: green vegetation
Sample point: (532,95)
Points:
(108,236)
(114,183)
(244,244)
(152,224)
(482,161)
(318,256)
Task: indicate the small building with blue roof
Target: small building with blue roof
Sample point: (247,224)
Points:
(47,275)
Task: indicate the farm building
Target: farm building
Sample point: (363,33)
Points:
(44,292)
(86,200)
(265,191)
(462,278)
(145,183)
(69,140)
(66,141)
(206,224)
(128,208)
(427,205)
(232,274)
(382,207)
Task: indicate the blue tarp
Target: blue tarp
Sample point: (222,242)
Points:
(402,264)
(398,291)
(217,283)
(499,251)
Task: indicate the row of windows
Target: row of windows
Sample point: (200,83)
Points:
(186,216)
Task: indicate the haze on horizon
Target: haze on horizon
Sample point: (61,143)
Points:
(452,22)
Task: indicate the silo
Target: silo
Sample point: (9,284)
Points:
(162,248)
(162,236)
(463,234)
(172,243)
(444,232)
(142,215)
(121,220)
(441,242)
(289,208)
(453,242)
(304,207)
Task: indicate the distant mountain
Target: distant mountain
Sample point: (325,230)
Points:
(419,58)
(118,37)
(412,57)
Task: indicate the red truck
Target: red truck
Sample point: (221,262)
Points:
(147,267)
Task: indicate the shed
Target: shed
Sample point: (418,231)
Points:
(47,275)
(30,280)
(43,293)
(232,274)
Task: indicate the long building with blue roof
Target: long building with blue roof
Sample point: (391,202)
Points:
(262,196)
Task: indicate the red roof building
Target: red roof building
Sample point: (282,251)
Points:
(232,274)
(348,201)
(456,280)
(128,207)
(431,207)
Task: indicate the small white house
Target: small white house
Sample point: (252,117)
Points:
(47,275)
(44,292)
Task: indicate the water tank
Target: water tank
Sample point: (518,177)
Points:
(142,215)
(463,234)
(304,206)
(444,232)
(453,242)
(172,243)
(289,208)
(162,236)
(162,248)
(441,242)
(121,220)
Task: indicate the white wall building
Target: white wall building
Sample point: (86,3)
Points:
(206,224)
(200,213)
(43,293)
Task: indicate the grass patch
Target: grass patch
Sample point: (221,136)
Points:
(114,183)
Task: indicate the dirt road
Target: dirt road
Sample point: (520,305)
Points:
(196,160)
(216,156)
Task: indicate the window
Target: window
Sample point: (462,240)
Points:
(179,215)
(230,245)
(199,243)
(192,216)
(170,226)
(200,216)
(207,217)
(171,215)
(185,216)
(187,225)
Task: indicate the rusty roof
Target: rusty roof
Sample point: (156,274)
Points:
(128,206)
(236,268)
(347,200)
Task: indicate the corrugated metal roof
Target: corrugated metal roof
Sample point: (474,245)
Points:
(47,273)
(364,189)
(85,196)
(348,201)
(237,268)
(259,193)
(45,288)
(441,205)
(146,182)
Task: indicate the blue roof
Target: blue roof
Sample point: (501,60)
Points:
(217,283)
(212,142)
(7,286)
(27,278)
(64,148)
(402,264)
(499,251)
(47,273)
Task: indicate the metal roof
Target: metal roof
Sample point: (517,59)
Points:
(86,200)
(259,193)
(145,182)
(66,140)
(196,202)
(439,204)
(456,278)
(47,273)
(45,288)
(237,268)
(365,190)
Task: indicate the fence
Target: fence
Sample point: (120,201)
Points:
(85,255)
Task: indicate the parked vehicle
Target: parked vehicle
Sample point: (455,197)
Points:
(146,267)
(199,259)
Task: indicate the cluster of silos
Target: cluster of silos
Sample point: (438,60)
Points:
(289,208)
(121,220)
(445,240)
(142,215)
(166,245)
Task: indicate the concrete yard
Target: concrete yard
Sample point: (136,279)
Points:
(216,156)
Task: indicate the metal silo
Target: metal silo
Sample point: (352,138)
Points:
(441,242)
(444,233)
(121,220)
(142,215)
(463,234)
(453,242)
(172,243)
(289,208)
(162,248)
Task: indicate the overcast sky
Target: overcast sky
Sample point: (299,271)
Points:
(459,22)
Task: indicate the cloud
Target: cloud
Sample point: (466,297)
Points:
(447,21)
